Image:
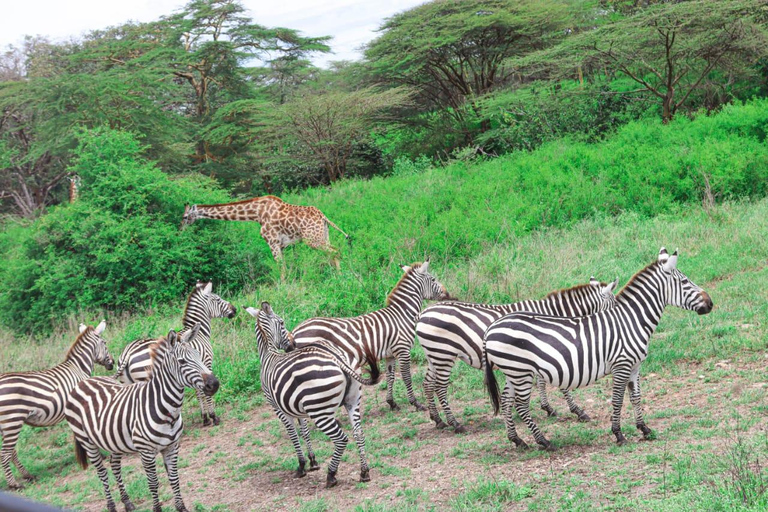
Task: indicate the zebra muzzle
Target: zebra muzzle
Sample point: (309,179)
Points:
(210,384)
(707,306)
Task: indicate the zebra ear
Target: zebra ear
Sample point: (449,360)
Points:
(172,338)
(82,328)
(266,308)
(612,286)
(593,281)
(405,268)
(424,268)
(191,334)
(671,263)
(251,311)
(663,255)
(208,287)
(100,328)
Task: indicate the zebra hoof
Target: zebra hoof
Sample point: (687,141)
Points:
(550,411)
(313,465)
(30,478)
(393,405)
(418,406)
(331,481)
(519,443)
(459,429)
(584,417)
(206,420)
(129,507)
(111,507)
(216,419)
(440,424)
(547,446)
(15,486)
(300,473)
(365,476)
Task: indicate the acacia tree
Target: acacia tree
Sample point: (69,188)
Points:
(670,49)
(450,51)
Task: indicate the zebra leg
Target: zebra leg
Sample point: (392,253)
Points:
(94,455)
(543,397)
(575,409)
(352,403)
(304,426)
(24,473)
(404,359)
(10,431)
(442,381)
(115,461)
(290,426)
(391,384)
(211,409)
(148,462)
(522,392)
(507,397)
(332,429)
(620,379)
(429,396)
(634,396)
(203,409)
(170,459)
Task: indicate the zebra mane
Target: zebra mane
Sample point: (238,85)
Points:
(632,279)
(154,348)
(408,273)
(240,202)
(573,289)
(194,293)
(77,341)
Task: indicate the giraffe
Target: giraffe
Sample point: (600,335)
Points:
(282,224)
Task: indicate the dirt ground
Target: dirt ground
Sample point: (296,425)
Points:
(247,463)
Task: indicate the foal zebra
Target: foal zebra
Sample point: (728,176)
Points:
(38,398)
(449,331)
(574,352)
(387,333)
(134,364)
(143,418)
(311,382)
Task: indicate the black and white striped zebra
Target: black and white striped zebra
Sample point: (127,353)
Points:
(143,418)
(387,333)
(134,363)
(311,382)
(574,352)
(37,398)
(448,331)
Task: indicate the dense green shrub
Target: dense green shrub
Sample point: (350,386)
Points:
(119,246)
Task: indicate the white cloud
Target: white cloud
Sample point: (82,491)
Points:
(351,23)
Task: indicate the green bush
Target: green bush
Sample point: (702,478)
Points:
(119,246)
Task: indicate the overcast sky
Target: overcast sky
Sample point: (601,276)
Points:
(351,23)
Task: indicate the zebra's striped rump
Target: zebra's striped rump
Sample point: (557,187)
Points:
(575,352)
(448,331)
(38,398)
(311,382)
(142,418)
(134,364)
(387,333)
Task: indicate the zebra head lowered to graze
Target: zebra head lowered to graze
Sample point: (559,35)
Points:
(134,363)
(448,331)
(143,418)
(387,333)
(38,398)
(575,352)
(311,382)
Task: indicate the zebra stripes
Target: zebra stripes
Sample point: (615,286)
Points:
(575,352)
(387,333)
(448,331)
(38,398)
(134,364)
(310,382)
(143,418)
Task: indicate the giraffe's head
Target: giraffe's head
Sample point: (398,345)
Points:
(190,215)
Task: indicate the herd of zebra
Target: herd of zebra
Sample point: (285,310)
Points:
(568,339)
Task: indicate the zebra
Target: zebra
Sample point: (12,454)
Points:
(311,382)
(387,333)
(448,331)
(574,352)
(134,363)
(37,398)
(143,418)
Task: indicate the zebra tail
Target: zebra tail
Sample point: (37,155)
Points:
(80,455)
(491,385)
(373,369)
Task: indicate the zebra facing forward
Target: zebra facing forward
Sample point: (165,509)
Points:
(448,331)
(311,382)
(143,418)
(134,364)
(38,398)
(387,333)
(574,352)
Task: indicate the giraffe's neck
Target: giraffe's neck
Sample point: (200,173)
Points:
(258,209)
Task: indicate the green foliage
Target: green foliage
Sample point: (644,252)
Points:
(119,246)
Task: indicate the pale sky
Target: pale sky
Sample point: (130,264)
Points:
(351,23)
